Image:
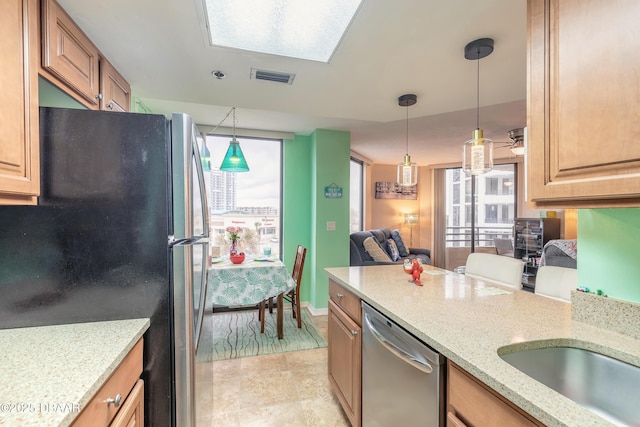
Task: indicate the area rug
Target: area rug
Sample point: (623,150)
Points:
(237,334)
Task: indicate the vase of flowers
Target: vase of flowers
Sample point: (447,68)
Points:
(234,235)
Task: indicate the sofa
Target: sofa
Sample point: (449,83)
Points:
(359,256)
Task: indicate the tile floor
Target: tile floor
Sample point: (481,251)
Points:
(285,389)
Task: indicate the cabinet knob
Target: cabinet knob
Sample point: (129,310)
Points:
(110,105)
(116,401)
(339,295)
(99,97)
(354,333)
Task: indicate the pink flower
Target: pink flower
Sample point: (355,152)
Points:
(234,232)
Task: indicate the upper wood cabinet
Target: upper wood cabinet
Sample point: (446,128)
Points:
(72,62)
(583,106)
(114,89)
(68,55)
(19,136)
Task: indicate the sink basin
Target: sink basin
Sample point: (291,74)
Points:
(601,384)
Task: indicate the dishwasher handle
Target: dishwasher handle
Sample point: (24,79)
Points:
(396,351)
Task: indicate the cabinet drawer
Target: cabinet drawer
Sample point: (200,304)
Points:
(472,403)
(347,301)
(97,412)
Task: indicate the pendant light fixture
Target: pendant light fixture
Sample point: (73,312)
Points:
(205,156)
(407,171)
(478,151)
(234,160)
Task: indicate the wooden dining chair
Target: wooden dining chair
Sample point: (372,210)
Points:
(292,296)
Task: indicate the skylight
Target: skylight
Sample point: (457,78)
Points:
(306,29)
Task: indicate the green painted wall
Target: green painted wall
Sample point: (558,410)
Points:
(310,164)
(50,96)
(296,205)
(608,255)
(330,165)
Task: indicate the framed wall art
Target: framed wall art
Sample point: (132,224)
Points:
(393,190)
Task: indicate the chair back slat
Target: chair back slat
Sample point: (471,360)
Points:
(298,265)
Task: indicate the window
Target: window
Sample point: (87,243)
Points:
(491,185)
(495,206)
(356,172)
(249,200)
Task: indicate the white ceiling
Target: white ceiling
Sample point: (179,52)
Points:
(391,48)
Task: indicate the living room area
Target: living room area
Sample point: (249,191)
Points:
(437,216)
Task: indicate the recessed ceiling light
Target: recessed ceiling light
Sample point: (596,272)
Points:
(306,29)
(218,74)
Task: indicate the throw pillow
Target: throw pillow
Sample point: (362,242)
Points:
(402,249)
(373,248)
(392,248)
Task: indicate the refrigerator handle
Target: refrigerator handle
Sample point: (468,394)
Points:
(200,172)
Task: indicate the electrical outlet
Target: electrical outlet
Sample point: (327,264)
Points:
(331,226)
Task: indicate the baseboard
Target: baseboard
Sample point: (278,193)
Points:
(315,311)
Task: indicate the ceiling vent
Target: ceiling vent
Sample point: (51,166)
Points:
(272,76)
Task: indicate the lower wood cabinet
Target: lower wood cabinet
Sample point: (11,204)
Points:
(120,401)
(472,403)
(345,350)
(132,412)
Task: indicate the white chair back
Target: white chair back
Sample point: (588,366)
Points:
(496,268)
(556,282)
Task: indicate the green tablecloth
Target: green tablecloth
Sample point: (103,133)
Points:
(247,283)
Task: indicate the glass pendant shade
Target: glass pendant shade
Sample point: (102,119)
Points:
(206,158)
(407,172)
(234,160)
(478,154)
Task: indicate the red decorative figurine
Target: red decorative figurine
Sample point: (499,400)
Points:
(414,268)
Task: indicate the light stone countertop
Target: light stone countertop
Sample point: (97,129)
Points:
(50,373)
(462,318)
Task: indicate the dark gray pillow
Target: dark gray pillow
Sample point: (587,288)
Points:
(392,249)
(402,249)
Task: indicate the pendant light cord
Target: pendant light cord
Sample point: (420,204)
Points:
(232,110)
(478,93)
(234,122)
(407,153)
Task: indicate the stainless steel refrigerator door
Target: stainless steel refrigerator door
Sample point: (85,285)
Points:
(190,216)
(190,250)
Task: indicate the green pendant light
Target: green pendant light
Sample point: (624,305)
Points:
(234,160)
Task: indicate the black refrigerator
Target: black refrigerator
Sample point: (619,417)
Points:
(120,231)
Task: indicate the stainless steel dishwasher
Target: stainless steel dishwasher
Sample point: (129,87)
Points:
(402,378)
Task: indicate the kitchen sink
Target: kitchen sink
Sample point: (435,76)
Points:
(601,384)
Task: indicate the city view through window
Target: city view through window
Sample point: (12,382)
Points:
(495,206)
(249,200)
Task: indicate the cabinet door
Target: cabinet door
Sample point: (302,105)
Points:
(345,362)
(19,147)
(583,103)
(68,55)
(131,413)
(116,92)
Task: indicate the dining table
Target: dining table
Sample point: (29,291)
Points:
(251,282)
